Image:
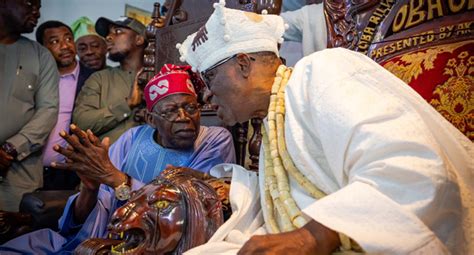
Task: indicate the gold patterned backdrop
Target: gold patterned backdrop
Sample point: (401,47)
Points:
(443,75)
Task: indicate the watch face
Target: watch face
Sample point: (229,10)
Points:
(122,193)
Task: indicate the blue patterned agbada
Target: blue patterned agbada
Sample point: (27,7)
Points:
(137,154)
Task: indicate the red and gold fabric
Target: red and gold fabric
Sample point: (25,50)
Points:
(444,76)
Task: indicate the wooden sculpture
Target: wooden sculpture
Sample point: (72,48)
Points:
(177,211)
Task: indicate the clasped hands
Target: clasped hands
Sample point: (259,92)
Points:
(88,156)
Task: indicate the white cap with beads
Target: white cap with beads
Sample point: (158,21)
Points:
(228,32)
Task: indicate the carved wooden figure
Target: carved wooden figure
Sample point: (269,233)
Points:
(177,211)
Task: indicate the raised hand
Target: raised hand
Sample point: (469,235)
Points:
(88,157)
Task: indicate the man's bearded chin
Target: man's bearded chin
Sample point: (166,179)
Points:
(65,63)
(117,57)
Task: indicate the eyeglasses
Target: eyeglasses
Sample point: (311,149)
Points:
(205,74)
(173,114)
(207,78)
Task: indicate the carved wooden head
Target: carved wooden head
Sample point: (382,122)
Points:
(170,215)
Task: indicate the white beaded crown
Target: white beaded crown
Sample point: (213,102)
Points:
(228,32)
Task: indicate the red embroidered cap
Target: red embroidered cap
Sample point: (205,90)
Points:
(171,79)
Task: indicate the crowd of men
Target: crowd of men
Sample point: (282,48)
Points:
(367,164)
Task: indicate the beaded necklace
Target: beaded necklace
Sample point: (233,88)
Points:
(278,164)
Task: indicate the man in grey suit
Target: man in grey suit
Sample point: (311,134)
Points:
(28,101)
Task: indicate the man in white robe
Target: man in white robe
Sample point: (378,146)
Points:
(399,177)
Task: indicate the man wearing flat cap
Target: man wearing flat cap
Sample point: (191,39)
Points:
(353,159)
(105,103)
(91,47)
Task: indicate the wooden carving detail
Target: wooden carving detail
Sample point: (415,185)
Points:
(255,143)
(149,60)
(178,210)
(239,133)
(342,22)
(149,54)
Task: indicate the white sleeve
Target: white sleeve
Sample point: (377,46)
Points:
(308,26)
(394,195)
(295,21)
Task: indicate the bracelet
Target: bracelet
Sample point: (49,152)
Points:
(10,149)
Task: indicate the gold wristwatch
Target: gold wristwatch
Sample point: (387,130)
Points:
(123,191)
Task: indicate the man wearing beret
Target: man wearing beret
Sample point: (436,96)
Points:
(172,136)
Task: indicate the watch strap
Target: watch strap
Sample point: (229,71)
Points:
(127,184)
(10,149)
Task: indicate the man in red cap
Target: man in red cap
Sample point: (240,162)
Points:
(172,136)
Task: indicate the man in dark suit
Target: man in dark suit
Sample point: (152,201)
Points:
(58,38)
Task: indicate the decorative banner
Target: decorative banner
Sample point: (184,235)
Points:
(429,44)
(444,76)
